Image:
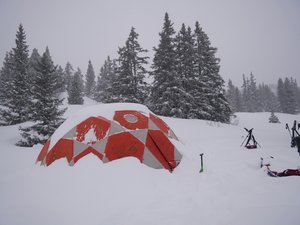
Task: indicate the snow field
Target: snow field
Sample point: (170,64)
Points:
(232,190)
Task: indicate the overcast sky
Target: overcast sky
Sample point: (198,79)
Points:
(258,36)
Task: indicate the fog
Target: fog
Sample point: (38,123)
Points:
(255,36)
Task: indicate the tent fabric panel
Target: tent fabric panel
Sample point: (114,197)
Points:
(123,145)
(43,152)
(115,128)
(154,149)
(63,148)
(177,156)
(173,135)
(153,126)
(86,152)
(71,134)
(100,127)
(150,160)
(140,134)
(131,119)
(160,123)
(78,147)
(100,145)
(165,146)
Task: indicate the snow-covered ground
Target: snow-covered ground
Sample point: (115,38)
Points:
(232,190)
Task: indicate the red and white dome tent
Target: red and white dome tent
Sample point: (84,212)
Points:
(114,131)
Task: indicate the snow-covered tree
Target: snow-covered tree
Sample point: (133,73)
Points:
(76,89)
(211,95)
(273,118)
(46,111)
(17,101)
(61,86)
(166,90)
(6,77)
(267,100)
(104,86)
(90,84)
(130,85)
(69,72)
(185,60)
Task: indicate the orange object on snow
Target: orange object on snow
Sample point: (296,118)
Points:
(130,133)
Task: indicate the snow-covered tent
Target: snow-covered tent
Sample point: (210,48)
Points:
(114,131)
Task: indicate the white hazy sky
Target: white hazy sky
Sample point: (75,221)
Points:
(258,36)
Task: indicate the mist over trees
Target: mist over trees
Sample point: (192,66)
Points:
(183,81)
(261,98)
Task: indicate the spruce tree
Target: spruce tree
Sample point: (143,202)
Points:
(18,90)
(130,85)
(184,49)
(290,99)
(281,94)
(166,90)
(76,89)
(231,96)
(267,99)
(273,118)
(211,98)
(252,95)
(46,110)
(6,78)
(203,80)
(105,80)
(61,86)
(68,74)
(90,81)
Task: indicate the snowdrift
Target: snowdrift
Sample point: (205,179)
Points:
(233,189)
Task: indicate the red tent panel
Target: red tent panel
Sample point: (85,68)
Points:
(86,152)
(131,119)
(43,152)
(99,124)
(63,148)
(123,145)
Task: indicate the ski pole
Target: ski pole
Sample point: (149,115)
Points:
(288,128)
(202,168)
(261,162)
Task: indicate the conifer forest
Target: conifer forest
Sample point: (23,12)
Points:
(182,80)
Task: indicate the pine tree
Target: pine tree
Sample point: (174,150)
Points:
(212,99)
(252,95)
(231,96)
(90,81)
(203,80)
(130,85)
(18,90)
(69,72)
(184,49)
(76,89)
(47,115)
(106,78)
(6,77)
(290,99)
(166,90)
(267,99)
(273,118)
(61,84)
(239,100)
(281,95)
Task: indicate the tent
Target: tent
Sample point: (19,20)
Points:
(112,135)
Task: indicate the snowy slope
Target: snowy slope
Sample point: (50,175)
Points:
(233,189)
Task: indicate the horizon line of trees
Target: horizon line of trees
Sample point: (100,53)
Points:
(285,97)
